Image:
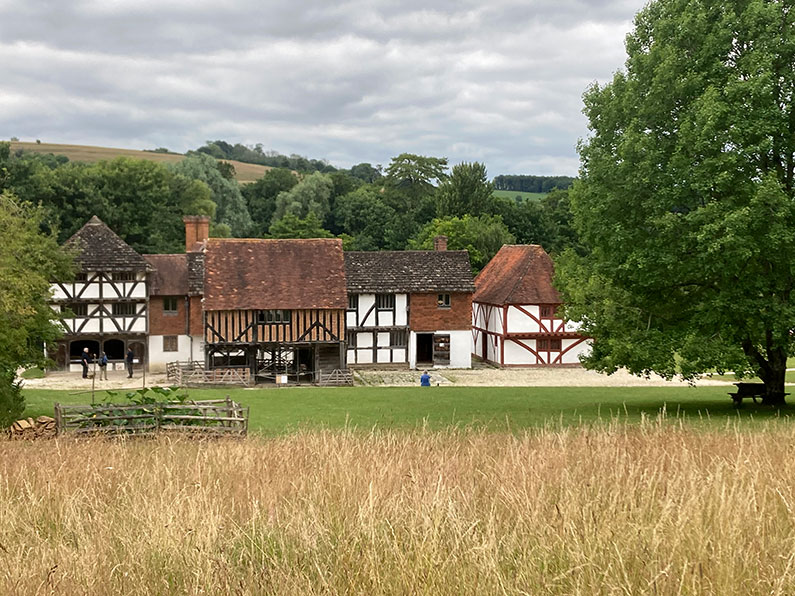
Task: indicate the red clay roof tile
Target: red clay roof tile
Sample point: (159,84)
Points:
(518,274)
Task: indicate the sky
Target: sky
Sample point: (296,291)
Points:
(499,82)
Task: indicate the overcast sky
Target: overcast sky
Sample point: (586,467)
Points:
(499,81)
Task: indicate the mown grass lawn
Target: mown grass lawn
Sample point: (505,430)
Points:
(285,410)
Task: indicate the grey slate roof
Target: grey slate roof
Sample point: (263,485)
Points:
(100,249)
(170,275)
(393,271)
(195,273)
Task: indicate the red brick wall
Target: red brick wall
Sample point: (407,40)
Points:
(196,319)
(425,315)
(163,324)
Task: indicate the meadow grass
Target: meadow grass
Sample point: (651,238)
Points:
(512,194)
(244,172)
(649,508)
(495,409)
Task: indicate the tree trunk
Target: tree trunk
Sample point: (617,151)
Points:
(772,371)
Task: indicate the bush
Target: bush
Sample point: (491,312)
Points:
(12,404)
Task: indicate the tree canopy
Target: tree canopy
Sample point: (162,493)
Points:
(466,191)
(685,205)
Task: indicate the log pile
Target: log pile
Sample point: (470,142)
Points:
(42,427)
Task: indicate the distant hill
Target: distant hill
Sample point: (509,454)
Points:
(244,172)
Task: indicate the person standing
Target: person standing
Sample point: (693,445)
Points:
(85,360)
(103,366)
(425,379)
(129,361)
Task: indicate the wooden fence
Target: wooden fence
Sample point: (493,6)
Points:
(193,373)
(205,417)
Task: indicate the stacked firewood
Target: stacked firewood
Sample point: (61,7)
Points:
(42,427)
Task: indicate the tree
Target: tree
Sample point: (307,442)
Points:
(466,191)
(29,259)
(416,174)
(685,204)
(231,208)
(261,196)
(310,195)
(292,226)
(365,216)
(482,236)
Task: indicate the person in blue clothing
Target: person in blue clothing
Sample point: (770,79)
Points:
(85,360)
(103,366)
(425,379)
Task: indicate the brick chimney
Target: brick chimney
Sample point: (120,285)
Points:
(440,243)
(197,229)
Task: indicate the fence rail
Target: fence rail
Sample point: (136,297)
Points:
(192,372)
(217,416)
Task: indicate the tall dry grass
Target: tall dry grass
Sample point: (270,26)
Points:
(656,509)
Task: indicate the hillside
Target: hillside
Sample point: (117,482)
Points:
(244,172)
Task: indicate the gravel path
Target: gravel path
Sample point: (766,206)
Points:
(480,376)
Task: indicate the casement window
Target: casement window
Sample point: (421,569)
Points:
(397,338)
(124,309)
(350,338)
(549,345)
(83,276)
(353,302)
(274,317)
(547,311)
(170,305)
(170,343)
(443,301)
(78,309)
(123,276)
(384,301)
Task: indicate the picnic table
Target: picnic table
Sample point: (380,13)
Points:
(752,390)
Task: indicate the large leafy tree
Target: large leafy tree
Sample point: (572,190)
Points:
(466,191)
(311,195)
(29,259)
(261,196)
(686,204)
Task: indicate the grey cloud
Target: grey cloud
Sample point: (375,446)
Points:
(500,82)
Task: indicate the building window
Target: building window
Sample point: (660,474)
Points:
(169,305)
(270,317)
(353,302)
(83,276)
(549,345)
(123,276)
(124,309)
(170,343)
(385,301)
(78,309)
(443,301)
(547,311)
(350,339)
(397,338)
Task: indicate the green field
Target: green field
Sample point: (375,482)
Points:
(285,410)
(512,194)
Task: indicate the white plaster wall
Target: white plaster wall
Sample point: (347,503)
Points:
(364,357)
(350,319)
(412,349)
(57,292)
(383,355)
(401,310)
(91,290)
(460,349)
(518,322)
(516,354)
(573,355)
(385,318)
(383,339)
(158,358)
(399,355)
(495,320)
(364,340)
(366,302)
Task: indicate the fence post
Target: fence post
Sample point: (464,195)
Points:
(58,419)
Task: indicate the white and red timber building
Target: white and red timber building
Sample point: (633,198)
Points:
(270,306)
(514,312)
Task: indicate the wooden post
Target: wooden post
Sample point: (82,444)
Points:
(58,420)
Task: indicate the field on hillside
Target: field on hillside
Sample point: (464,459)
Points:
(512,194)
(494,409)
(244,172)
(655,508)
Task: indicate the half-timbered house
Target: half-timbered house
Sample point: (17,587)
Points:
(105,307)
(275,307)
(409,308)
(514,312)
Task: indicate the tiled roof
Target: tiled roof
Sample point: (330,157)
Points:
(170,277)
(408,271)
(274,274)
(100,249)
(518,274)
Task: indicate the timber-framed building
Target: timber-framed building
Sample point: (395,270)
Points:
(105,308)
(515,320)
(275,307)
